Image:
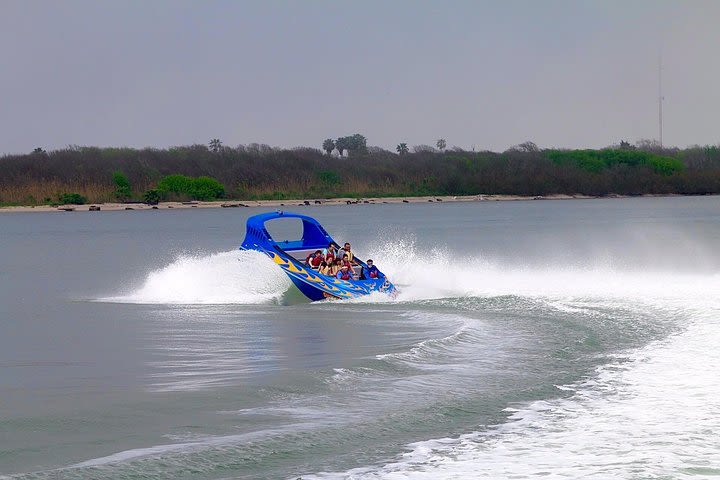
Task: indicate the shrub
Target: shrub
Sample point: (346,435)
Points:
(206,188)
(72,199)
(201,188)
(151,197)
(329,178)
(122,186)
(598,160)
(177,184)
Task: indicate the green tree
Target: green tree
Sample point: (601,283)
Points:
(215,145)
(402,148)
(206,188)
(441,144)
(342,144)
(201,188)
(122,186)
(176,184)
(356,143)
(328,145)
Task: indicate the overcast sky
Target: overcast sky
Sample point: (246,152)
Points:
(288,73)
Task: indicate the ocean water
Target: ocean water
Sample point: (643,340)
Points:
(548,339)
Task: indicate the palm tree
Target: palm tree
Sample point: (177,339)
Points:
(441,144)
(328,145)
(215,145)
(402,149)
(342,144)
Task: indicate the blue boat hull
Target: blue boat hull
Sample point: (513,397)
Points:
(316,286)
(312,284)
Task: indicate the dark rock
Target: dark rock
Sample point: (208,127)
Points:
(154,207)
(93,208)
(405,201)
(129,208)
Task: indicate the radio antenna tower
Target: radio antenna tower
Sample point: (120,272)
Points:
(660,100)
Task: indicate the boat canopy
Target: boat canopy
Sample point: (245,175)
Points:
(313,234)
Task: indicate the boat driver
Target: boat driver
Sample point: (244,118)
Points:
(371,271)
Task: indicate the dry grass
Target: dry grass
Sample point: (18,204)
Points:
(43,192)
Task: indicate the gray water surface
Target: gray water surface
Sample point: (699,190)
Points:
(143,345)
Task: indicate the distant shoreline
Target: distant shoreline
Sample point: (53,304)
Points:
(114,207)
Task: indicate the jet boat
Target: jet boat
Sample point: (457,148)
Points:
(290,256)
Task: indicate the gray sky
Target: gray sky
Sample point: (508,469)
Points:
(289,73)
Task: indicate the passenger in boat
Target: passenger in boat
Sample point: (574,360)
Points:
(314,259)
(335,267)
(345,273)
(371,271)
(349,253)
(344,259)
(330,253)
(324,268)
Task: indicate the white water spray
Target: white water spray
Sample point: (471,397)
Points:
(236,277)
(247,277)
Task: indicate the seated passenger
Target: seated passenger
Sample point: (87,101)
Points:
(371,271)
(345,273)
(330,253)
(324,268)
(346,250)
(335,267)
(314,259)
(344,259)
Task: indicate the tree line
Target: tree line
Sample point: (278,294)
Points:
(257,171)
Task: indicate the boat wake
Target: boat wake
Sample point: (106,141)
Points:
(650,413)
(247,277)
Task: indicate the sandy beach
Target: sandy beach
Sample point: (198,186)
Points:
(110,207)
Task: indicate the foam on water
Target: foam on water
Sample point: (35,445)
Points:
(235,277)
(649,413)
(247,277)
(437,273)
